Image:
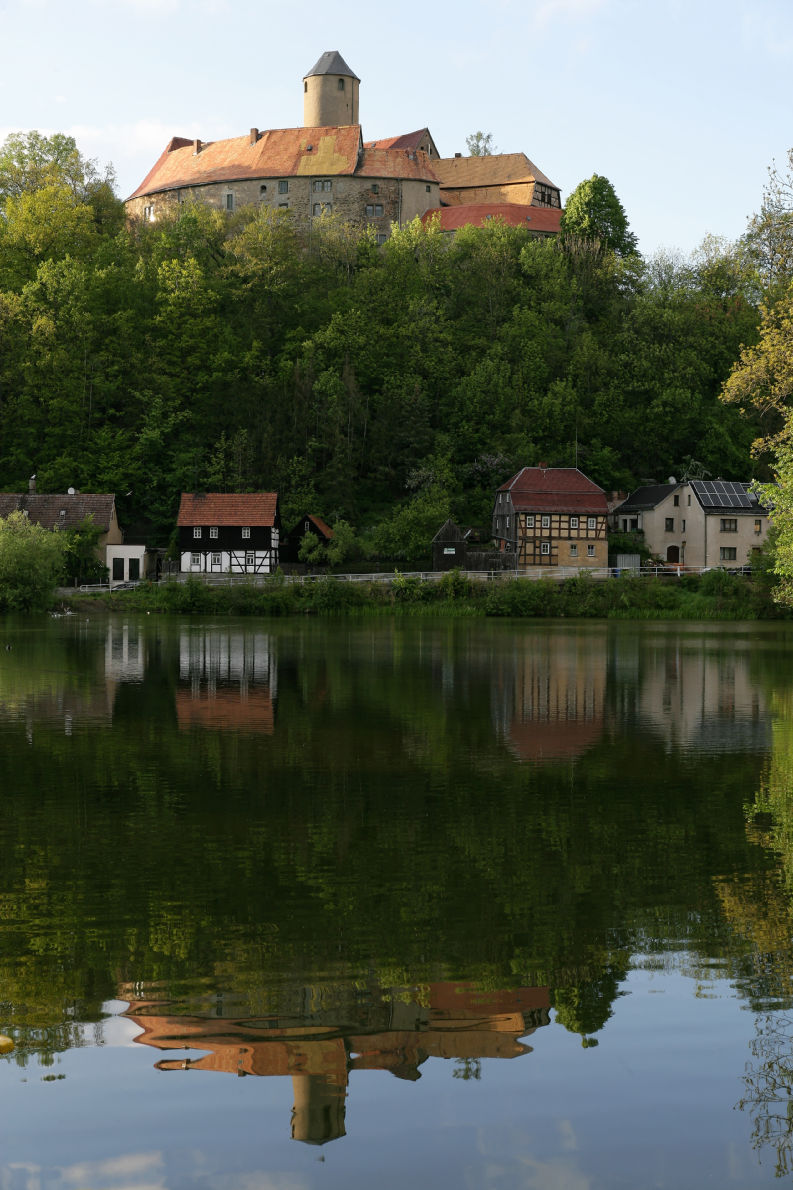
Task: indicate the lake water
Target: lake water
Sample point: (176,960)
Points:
(398,904)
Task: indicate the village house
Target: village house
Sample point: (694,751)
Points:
(222,533)
(697,522)
(65,511)
(552,516)
(325,167)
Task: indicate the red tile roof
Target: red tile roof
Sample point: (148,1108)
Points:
(408,140)
(539,219)
(557,489)
(324,529)
(279,152)
(216,508)
(395,163)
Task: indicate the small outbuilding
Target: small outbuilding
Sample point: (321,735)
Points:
(449,547)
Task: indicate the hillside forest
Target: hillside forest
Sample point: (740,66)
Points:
(385,387)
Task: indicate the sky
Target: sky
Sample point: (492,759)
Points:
(681,104)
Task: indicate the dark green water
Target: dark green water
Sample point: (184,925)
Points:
(466,904)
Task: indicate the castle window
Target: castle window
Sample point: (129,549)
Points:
(263,188)
(375,189)
(428,189)
(341,84)
(369,209)
(317,208)
(283,187)
(148,214)
(381,238)
(229,202)
(322,184)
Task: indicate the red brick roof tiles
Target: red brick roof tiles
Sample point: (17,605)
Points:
(555,489)
(278,152)
(539,219)
(216,508)
(395,163)
(408,140)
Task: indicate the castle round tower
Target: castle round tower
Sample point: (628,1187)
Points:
(330,93)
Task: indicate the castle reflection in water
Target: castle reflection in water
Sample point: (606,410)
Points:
(328,1032)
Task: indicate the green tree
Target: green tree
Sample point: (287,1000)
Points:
(594,212)
(31,562)
(480,144)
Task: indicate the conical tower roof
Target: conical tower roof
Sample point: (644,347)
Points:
(331,62)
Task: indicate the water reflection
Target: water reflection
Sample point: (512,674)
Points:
(328,1032)
(227,680)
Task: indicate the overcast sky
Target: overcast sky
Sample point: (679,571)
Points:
(682,104)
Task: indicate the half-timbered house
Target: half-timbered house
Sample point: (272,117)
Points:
(552,516)
(222,533)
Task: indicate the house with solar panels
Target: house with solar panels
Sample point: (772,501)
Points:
(696,522)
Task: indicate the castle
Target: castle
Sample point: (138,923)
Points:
(326,167)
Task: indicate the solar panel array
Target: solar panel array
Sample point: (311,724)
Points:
(723,493)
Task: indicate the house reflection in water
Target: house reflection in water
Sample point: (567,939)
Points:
(549,695)
(228,680)
(395,1030)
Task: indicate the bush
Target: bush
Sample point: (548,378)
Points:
(31,564)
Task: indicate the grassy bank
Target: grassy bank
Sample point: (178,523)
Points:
(716,595)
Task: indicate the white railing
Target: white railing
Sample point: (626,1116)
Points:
(554,573)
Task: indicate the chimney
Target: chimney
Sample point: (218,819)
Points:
(196,147)
(254,135)
(32,485)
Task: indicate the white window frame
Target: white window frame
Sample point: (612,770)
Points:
(196,532)
(573,522)
(530,520)
(545,547)
(195,559)
(213,530)
(546,522)
(591,522)
(573,549)
(246,532)
(590,551)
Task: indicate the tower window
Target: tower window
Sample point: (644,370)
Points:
(305,84)
(341,84)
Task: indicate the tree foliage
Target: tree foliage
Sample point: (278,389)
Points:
(246,353)
(593,213)
(31,563)
(480,144)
